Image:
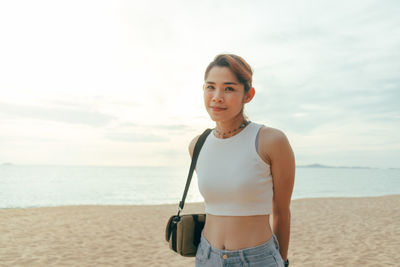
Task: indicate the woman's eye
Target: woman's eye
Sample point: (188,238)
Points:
(227,88)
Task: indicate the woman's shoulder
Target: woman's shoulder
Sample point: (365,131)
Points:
(271,140)
(271,134)
(192,144)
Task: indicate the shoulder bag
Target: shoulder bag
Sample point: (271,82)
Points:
(183,232)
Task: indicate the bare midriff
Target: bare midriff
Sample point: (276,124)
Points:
(237,232)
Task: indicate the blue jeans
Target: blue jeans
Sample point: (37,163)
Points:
(264,255)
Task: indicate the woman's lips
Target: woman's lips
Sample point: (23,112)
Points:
(217,109)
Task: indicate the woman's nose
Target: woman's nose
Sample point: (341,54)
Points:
(218,97)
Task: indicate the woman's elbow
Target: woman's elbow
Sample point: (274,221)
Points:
(282,213)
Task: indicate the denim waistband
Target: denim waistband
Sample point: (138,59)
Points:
(272,245)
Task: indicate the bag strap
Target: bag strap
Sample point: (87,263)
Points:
(196,152)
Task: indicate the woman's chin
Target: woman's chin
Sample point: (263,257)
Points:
(218,118)
(214,117)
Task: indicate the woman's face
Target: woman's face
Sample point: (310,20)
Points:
(223,94)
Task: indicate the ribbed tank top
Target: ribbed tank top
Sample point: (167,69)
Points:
(232,177)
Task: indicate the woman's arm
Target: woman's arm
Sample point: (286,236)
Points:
(282,162)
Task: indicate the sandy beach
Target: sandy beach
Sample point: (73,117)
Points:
(325,232)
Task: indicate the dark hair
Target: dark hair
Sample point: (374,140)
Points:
(237,65)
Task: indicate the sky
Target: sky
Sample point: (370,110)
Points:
(119,83)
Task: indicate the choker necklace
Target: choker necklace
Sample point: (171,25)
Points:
(244,124)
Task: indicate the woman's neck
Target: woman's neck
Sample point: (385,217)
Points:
(231,125)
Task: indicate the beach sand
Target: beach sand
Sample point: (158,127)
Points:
(324,232)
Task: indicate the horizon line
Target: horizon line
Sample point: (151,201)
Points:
(312,165)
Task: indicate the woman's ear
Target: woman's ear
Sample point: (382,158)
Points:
(250,94)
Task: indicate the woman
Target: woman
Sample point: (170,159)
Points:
(245,172)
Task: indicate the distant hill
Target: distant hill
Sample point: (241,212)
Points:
(317,165)
(7,164)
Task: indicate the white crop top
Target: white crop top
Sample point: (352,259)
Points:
(232,177)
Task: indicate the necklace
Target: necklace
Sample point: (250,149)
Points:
(244,124)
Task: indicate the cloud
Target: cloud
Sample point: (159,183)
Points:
(155,127)
(136,132)
(339,67)
(136,137)
(73,115)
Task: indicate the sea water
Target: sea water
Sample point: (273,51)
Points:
(39,186)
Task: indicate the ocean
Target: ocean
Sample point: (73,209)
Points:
(46,186)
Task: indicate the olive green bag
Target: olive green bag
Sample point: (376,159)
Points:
(183,232)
